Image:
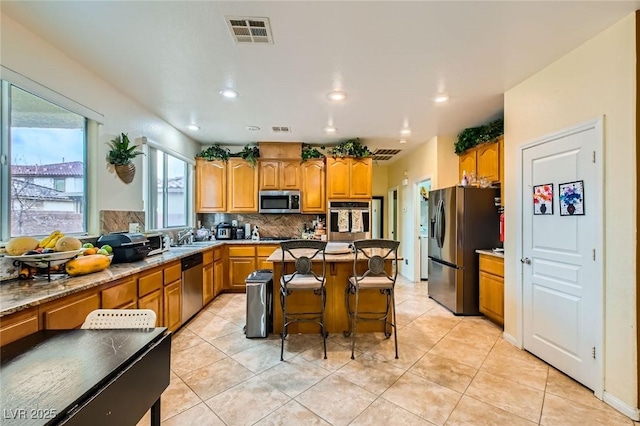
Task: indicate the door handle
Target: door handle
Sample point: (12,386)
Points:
(526,261)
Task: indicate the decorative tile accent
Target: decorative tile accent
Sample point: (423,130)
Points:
(118,221)
(269,225)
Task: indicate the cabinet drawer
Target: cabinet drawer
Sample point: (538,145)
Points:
(70,314)
(119,295)
(19,325)
(149,283)
(207,257)
(172,273)
(217,253)
(491,264)
(242,251)
(266,250)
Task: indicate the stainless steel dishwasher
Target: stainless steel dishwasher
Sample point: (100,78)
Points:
(191,286)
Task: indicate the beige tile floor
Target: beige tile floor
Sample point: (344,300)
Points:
(451,371)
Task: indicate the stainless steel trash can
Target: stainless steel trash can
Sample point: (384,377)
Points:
(259,303)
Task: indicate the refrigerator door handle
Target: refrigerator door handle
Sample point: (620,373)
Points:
(441,224)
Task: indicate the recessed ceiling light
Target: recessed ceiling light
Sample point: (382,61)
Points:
(193,127)
(441,98)
(330,129)
(405,132)
(253,128)
(403,141)
(229,93)
(337,96)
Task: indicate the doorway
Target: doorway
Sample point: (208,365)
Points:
(423,186)
(377,217)
(562,251)
(393,213)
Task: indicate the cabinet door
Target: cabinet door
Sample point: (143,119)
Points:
(313,195)
(290,175)
(243,187)
(19,325)
(263,252)
(361,177)
(488,162)
(492,297)
(269,175)
(467,163)
(149,282)
(338,177)
(153,301)
(173,305)
(70,312)
(211,186)
(239,269)
(218,277)
(120,295)
(207,283)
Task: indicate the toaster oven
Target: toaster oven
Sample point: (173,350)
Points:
(158,243)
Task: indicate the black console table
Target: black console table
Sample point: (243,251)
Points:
(84,377)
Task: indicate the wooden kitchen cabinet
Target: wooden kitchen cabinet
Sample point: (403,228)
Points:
(243,186)
(492,288)
(467,163)
(19,325)
(279,175)
(218,277)
(313,191)
(349,178)
(211,186)
(69,312)
(153,301)
(207,283)
(150,281)
(488,162)
(264,251)
(242,261)
(120,295)
(173,305)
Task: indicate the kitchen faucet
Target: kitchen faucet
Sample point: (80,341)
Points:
(185,234)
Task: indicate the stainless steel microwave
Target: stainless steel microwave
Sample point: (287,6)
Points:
(279,202)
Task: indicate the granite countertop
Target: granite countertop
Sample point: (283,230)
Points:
(17,294)
(490,252)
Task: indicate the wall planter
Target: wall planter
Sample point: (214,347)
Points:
(121,153)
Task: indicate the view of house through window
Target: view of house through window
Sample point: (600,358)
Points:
(172,201)
(47,166)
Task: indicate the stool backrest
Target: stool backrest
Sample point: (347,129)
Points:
(377,252)
(303,253)
(120,319)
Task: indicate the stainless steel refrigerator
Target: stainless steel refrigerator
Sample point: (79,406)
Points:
(462,220)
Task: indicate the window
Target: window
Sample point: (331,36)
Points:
(169,198)
(44,145)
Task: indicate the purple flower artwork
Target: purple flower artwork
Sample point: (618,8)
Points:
(543,199)
(572,198)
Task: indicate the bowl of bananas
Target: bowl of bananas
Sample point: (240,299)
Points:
(54,249)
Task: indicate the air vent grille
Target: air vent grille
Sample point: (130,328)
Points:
(281,129)
(384,154)
(250,30)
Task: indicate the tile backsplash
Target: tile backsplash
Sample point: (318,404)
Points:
(269,225)
(118,221)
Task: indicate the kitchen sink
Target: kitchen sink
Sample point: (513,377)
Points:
(196,244)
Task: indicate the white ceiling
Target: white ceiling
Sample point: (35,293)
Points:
(391,58)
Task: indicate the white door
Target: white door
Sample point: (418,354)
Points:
(562,275)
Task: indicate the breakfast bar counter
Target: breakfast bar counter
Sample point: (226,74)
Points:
(338,269)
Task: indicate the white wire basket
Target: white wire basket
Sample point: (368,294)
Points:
(120,318)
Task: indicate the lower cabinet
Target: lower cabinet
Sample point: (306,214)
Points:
(19,325)
(121,296)
(69,312)
(173,305)
(218,277)
(242,262)
(153,301)
(263,252)
(492,288)
(207,283)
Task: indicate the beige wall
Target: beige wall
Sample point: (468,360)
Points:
(435,159)
(381,189)
(33,57)
(596,79)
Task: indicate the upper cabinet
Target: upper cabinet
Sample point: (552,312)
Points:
(313,186)
(483,160)
(349,177)
(279,174)
(243,186)
(211,186)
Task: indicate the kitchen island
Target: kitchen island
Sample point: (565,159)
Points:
(339,268)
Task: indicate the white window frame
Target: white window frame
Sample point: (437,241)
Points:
(150,148)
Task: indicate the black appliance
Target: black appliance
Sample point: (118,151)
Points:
(240,233)
(462,220)
(224,231)
(281,202)
(127,246)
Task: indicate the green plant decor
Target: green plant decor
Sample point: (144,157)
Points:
(473,136)
(249,153)
(215,152)
(122,150)
(309,152)
(350,148)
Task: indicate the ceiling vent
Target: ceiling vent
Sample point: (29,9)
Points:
(281,129)
(250,30)
(384,154)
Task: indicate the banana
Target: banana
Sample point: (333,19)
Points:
(54,240)
(46,240)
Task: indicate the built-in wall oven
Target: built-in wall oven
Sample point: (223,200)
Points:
(349,220)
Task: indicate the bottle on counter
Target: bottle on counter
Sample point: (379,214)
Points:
(465,179)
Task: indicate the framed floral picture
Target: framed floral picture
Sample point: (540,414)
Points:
(571,198)
(543,199)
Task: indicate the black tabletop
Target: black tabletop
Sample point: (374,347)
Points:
(47,374)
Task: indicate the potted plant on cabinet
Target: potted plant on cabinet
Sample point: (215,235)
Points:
(215,152)
(349,148)
(121,153)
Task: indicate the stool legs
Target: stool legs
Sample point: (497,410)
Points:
(285,319)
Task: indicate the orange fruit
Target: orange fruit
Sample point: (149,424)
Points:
(89,251)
